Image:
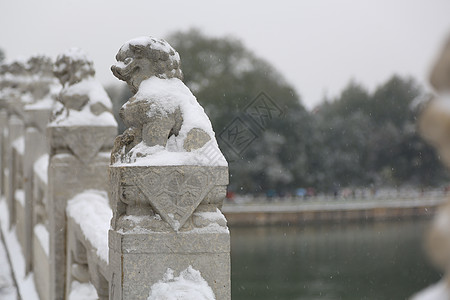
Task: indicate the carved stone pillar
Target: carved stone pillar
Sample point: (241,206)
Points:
(168,180)
(80,137)
(13,99)
(3,137)
(37,116)
(434,126)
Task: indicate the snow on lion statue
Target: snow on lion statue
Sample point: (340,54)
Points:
(162,116)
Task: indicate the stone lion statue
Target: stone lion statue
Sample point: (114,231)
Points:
(81,95)
(162,115)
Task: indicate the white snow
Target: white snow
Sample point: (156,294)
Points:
(19,195)
(19,145)
(84,117)
(7,289)
(91,88)
(165,96)
(211,216)
(40,167)
(45,103)
(42,235)
(82,291)
(190,285)
(437,291)
(211,228)
(164,157)
(25,282)
(153,43)
(91,211)
(76,54)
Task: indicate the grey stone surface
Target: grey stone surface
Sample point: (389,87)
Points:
(141,270)
(67,177)
(35,146)
(3,158)
(20,222)
(164,216)
(78,160)
(139,60)
(171,192)
(41,269)
(142,61)
(72,68)
(84,142)
(83,263)
(15,132)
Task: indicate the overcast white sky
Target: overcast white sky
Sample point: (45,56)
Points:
(319,45)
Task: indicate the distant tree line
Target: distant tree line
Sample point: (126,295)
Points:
(356,139)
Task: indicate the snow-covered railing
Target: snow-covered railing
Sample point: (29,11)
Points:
(43,165)
(88,222)
(154,230)
(26,104)
(81,137)
(168,180)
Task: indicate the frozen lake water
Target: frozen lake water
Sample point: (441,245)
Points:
(368,261)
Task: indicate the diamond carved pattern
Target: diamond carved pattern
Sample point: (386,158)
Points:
(84,146)
(175,192)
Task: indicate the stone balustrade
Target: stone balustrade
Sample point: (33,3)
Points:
(103,217)
(434,126)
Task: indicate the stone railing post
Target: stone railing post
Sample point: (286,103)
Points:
(168,180)
(18,96)
(434,126)
(37,116)
(80,135)
(3,124)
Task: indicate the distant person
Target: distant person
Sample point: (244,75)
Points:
(230,196)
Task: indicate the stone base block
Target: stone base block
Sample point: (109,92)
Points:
(138,261)
(41,265)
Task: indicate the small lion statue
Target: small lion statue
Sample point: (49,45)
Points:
(163,115)
(82,97)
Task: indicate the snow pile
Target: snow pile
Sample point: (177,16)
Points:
(40,167)
(438,291)
(96,95)
(19,145)
(152,43)
(82,291)
(215,216)
(7,289)
(45,103)
(91,211)
(165,96)
(160,156)
(210,228)
(215,222)
(190,285)
(48,101)
(41,232)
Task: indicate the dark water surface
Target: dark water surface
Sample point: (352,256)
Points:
(376,261)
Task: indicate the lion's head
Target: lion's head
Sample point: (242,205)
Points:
(40,65)
(144,57)
(73,66)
